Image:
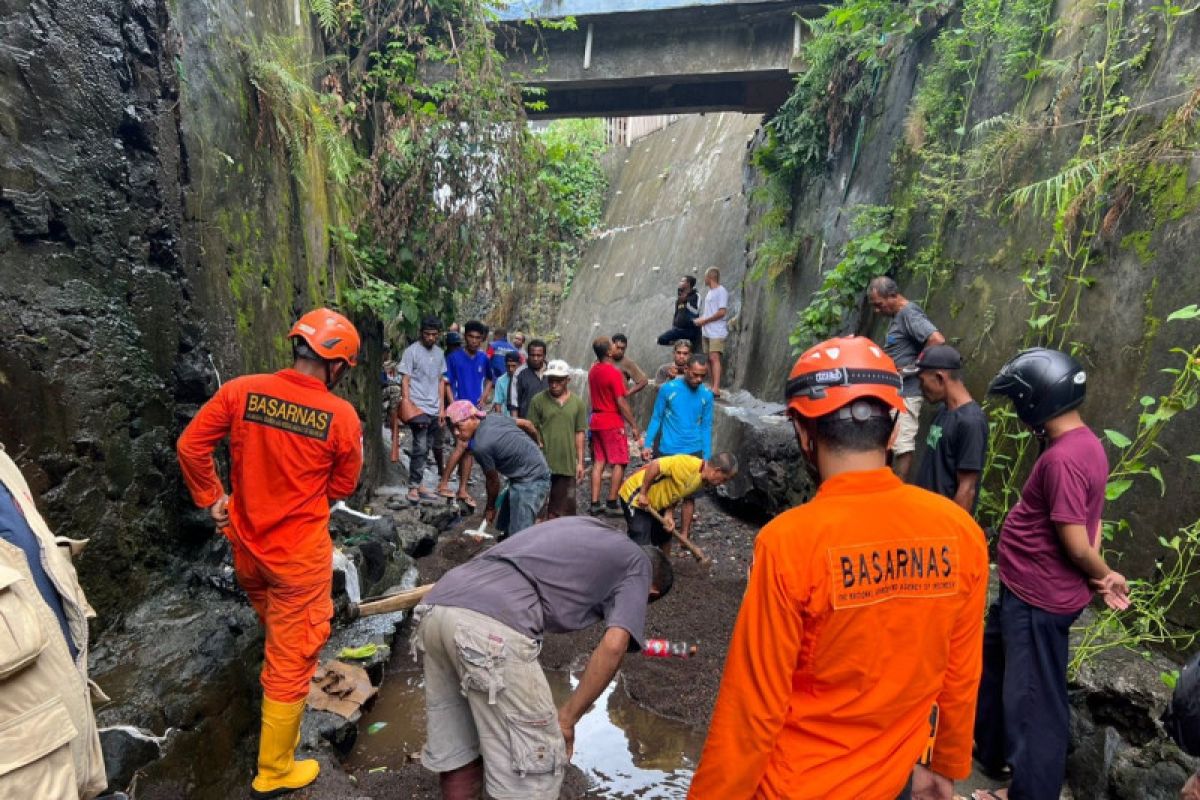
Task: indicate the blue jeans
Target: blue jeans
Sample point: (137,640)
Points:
(1023,718)
(525,500)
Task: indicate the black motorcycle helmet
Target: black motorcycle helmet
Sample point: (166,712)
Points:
(1182,717)
(1042,383)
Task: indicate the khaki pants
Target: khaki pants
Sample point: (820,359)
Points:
(486,695)
(906,439)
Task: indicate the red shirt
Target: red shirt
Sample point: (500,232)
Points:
(606,385)
(293,447)
(1066,486)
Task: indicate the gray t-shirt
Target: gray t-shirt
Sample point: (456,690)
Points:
(498,444)
(906,339)
(425,367)
(561,576)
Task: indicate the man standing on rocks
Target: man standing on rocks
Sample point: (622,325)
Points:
(423,367)
(632,372)
(958,438)
(50,745)
(663,484)
(1050,563)
(467,377)
(680,353)
(294,447)
(530,378)
(504,447)
(862,619)
(491,717)
(713,324)
(610,414)
(683,414)
(909,332)
(561,421)
(687,308)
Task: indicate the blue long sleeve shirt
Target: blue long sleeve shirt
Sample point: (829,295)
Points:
(684,416)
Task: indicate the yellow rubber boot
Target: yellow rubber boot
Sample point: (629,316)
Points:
(278,770)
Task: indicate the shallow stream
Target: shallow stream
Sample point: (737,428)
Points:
(624,750)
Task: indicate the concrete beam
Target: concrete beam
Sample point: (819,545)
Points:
(748,94)
(657,46)
(557,9)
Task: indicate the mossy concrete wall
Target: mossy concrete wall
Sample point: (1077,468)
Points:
(1143,270)
(145,226)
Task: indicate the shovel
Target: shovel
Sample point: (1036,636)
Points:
(401,601)
(686,543)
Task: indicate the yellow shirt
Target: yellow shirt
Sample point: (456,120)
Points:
(678,477)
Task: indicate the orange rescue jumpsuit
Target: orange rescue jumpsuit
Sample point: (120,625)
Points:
(293,446)
(865,606)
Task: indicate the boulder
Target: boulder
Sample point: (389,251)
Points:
(772,476)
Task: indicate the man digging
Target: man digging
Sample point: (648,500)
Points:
(491,717)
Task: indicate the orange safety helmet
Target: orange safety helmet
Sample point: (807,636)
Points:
(839,371)
(330,335)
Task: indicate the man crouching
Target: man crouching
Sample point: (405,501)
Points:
(490,712)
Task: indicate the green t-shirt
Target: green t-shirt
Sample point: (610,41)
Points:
(557,425)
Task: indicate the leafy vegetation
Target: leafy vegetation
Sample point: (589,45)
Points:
(873,250)
(447,189)
(1093,157)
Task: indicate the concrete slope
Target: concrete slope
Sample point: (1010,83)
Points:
(676,207)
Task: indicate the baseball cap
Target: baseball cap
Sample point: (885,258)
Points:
(462,410)
(938,356)
(454,337)
(558,369)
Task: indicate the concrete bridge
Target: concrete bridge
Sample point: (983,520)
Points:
(635,57)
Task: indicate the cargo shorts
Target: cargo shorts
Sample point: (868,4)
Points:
(486,695)
(909,423)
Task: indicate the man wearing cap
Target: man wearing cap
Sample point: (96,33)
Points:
(506,447)
(958,438)
(561,420)
(909,332)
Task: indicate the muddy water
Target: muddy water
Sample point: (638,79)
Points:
(624,750)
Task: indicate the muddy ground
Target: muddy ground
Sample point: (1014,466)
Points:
(701,608)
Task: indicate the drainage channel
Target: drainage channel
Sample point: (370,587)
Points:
(624,750)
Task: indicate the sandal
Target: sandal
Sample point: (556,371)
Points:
(429,497)
(413,496)
(468,502)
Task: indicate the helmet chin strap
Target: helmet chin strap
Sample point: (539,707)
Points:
(809,456)
(332,380)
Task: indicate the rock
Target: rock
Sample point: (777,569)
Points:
(126,750)
(772,477)
(1119,751)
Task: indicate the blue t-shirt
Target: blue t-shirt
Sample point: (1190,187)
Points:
(466,374)
(16,531)
(684,416)
(499,349)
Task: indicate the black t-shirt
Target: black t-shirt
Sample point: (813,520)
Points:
(529,384)
(957,441)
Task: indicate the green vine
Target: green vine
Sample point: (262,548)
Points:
(873,249)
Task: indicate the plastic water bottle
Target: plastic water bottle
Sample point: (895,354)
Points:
(661,648)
